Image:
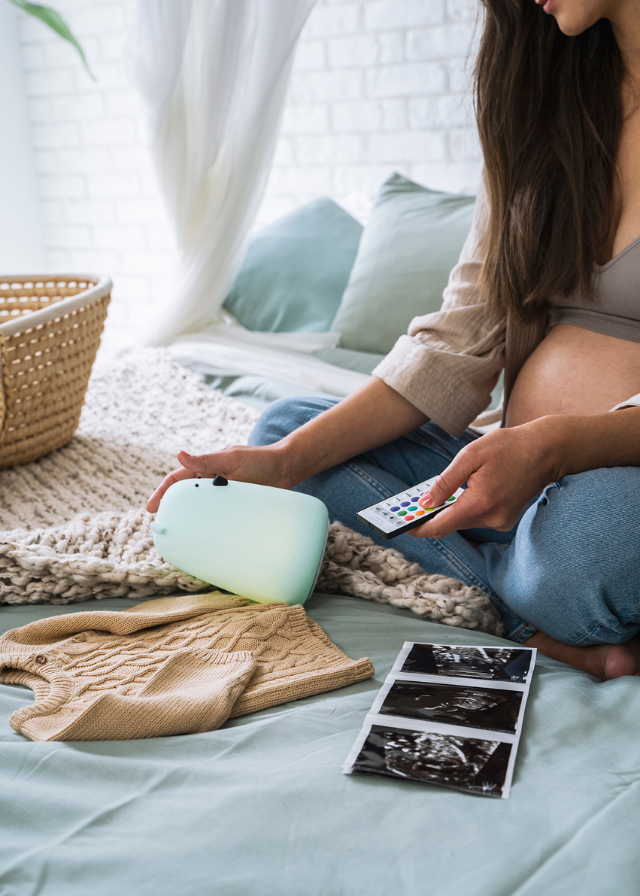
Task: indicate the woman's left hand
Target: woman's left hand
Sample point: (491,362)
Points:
(504,470)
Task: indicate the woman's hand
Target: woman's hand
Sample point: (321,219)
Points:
(372,416)
(265,465)
(504,470)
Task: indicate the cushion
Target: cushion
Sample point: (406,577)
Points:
(406,253)
(361,362)
(296,270)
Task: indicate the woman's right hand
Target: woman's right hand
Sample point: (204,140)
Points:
(372,416)
(265,465)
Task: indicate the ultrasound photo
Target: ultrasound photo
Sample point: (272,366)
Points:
(493,663)
(462,763)
(495,710)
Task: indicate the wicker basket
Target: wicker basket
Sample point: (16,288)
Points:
(50,329)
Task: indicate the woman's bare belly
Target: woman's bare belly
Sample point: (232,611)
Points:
(575,371)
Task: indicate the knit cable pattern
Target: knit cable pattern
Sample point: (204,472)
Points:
(84,534)
(353,564)
(168,666)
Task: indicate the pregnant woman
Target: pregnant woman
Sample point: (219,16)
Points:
(547,288)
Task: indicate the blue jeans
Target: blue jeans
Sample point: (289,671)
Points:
(570,567)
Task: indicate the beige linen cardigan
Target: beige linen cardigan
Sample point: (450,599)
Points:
(449,362)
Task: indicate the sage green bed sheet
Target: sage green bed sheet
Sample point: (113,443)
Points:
(260,807)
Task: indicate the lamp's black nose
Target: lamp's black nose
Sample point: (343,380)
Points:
(220,480)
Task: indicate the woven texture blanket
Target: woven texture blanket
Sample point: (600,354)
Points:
(73,524)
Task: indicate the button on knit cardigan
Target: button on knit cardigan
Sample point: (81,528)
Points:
(168,666)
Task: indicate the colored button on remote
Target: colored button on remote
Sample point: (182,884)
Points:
(394,509)
(402,513)
(405,503)
(407,518)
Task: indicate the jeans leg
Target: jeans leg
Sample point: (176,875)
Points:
(572,568)
(285,415)
(368,478)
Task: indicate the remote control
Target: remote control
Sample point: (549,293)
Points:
(401,512)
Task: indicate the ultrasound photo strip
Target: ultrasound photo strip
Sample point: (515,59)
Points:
(457,730)
(504,664)
(475,765)
(492,709)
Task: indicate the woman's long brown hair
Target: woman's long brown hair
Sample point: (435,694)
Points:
(549,115)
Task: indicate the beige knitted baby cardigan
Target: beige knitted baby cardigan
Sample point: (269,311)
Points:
(169,666)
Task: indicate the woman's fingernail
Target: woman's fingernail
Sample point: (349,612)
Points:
(426,500)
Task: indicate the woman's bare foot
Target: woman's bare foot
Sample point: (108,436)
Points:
(604,660)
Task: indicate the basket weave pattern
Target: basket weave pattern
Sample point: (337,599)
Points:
(46,364)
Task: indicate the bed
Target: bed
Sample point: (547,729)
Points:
(260,807)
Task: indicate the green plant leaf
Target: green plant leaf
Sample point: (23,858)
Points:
(55,21)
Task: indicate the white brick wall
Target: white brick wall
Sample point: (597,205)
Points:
(378,85)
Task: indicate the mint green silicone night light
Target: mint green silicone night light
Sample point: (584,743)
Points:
(263,543)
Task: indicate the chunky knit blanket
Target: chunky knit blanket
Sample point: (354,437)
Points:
(73,524)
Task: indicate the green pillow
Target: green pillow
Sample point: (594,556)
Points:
(295,271)
(361,362)
(407,250)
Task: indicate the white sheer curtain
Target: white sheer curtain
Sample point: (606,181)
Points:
(214,75)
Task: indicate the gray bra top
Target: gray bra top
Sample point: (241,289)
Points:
(616,309)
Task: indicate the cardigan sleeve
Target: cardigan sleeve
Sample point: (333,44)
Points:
(449,361)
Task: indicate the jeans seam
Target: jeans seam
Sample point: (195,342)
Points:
(367,478)
(523,632)
(594,634)
(435,448)
(462,566)
(446,457)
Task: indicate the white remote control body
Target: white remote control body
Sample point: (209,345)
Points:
(401,512)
